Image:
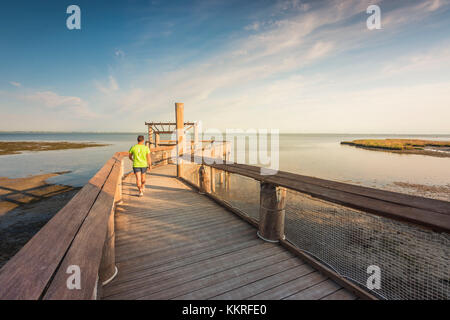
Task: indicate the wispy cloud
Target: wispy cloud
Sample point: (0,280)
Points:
(283,45)
(54,102)
(108,88)
(312,61)
(413,12)
(119,53)
(15,84)
(254,26)
(429,60)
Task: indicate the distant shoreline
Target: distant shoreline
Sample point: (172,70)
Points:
(439,149)
(17,147)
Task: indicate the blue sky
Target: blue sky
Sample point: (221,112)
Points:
(298,66)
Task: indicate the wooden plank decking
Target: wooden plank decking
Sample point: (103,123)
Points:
(174,243)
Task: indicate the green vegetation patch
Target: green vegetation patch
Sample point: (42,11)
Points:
(16,147)
(397,144)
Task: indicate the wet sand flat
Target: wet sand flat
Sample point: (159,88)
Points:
(16,147)
(26,204)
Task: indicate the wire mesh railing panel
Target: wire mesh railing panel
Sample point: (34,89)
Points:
(238,191)
(414,262)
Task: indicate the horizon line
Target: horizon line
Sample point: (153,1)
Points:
(286,132)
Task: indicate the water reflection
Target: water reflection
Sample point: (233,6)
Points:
(314,155)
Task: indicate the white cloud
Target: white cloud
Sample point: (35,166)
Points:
(15,84)
(110,87)
(286,5)
(284,45)
(119,53)
(259,78)
(433,5)
(254,26)
(54,102)
(411,13)
(434,59)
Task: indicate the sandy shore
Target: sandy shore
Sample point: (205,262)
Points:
(26,204)
(434,192)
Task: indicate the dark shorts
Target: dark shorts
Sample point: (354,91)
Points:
(143,170)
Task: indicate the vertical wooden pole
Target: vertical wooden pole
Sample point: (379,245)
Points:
(223,158)
(213,173)
(204,180)
(150,136)
(227,159)
(157,139)
(179,115)
(271,212)
(221,176)
(195,136)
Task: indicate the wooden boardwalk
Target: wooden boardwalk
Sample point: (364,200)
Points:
(174,243)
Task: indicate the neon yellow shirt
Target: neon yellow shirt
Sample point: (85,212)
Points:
(139,152)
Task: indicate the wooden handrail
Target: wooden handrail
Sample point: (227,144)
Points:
(285,243)
(161,148)
(424,212)
(76,235)
(87,247)
(29,272)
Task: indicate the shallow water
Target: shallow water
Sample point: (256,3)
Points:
(83,163)
(319,155)
(325,157)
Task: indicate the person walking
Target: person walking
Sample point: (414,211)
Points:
(140,155)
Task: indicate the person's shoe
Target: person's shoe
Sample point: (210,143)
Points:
(141,194)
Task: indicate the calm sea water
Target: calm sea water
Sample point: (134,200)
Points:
(319,155)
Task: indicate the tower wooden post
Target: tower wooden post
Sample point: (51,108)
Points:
(150,136)
(204,180)
(227,160)
(223,156)
(179,114)
(195,136)
(157,139)
(271,212)
(213,172)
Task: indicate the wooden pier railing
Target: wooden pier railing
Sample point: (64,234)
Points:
(424,212)
(339,228)
(79,238)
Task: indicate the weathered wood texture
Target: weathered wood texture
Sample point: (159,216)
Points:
(271,212)
(77,230)
(425,212)
(86,250)
(176,244)
(150,137)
